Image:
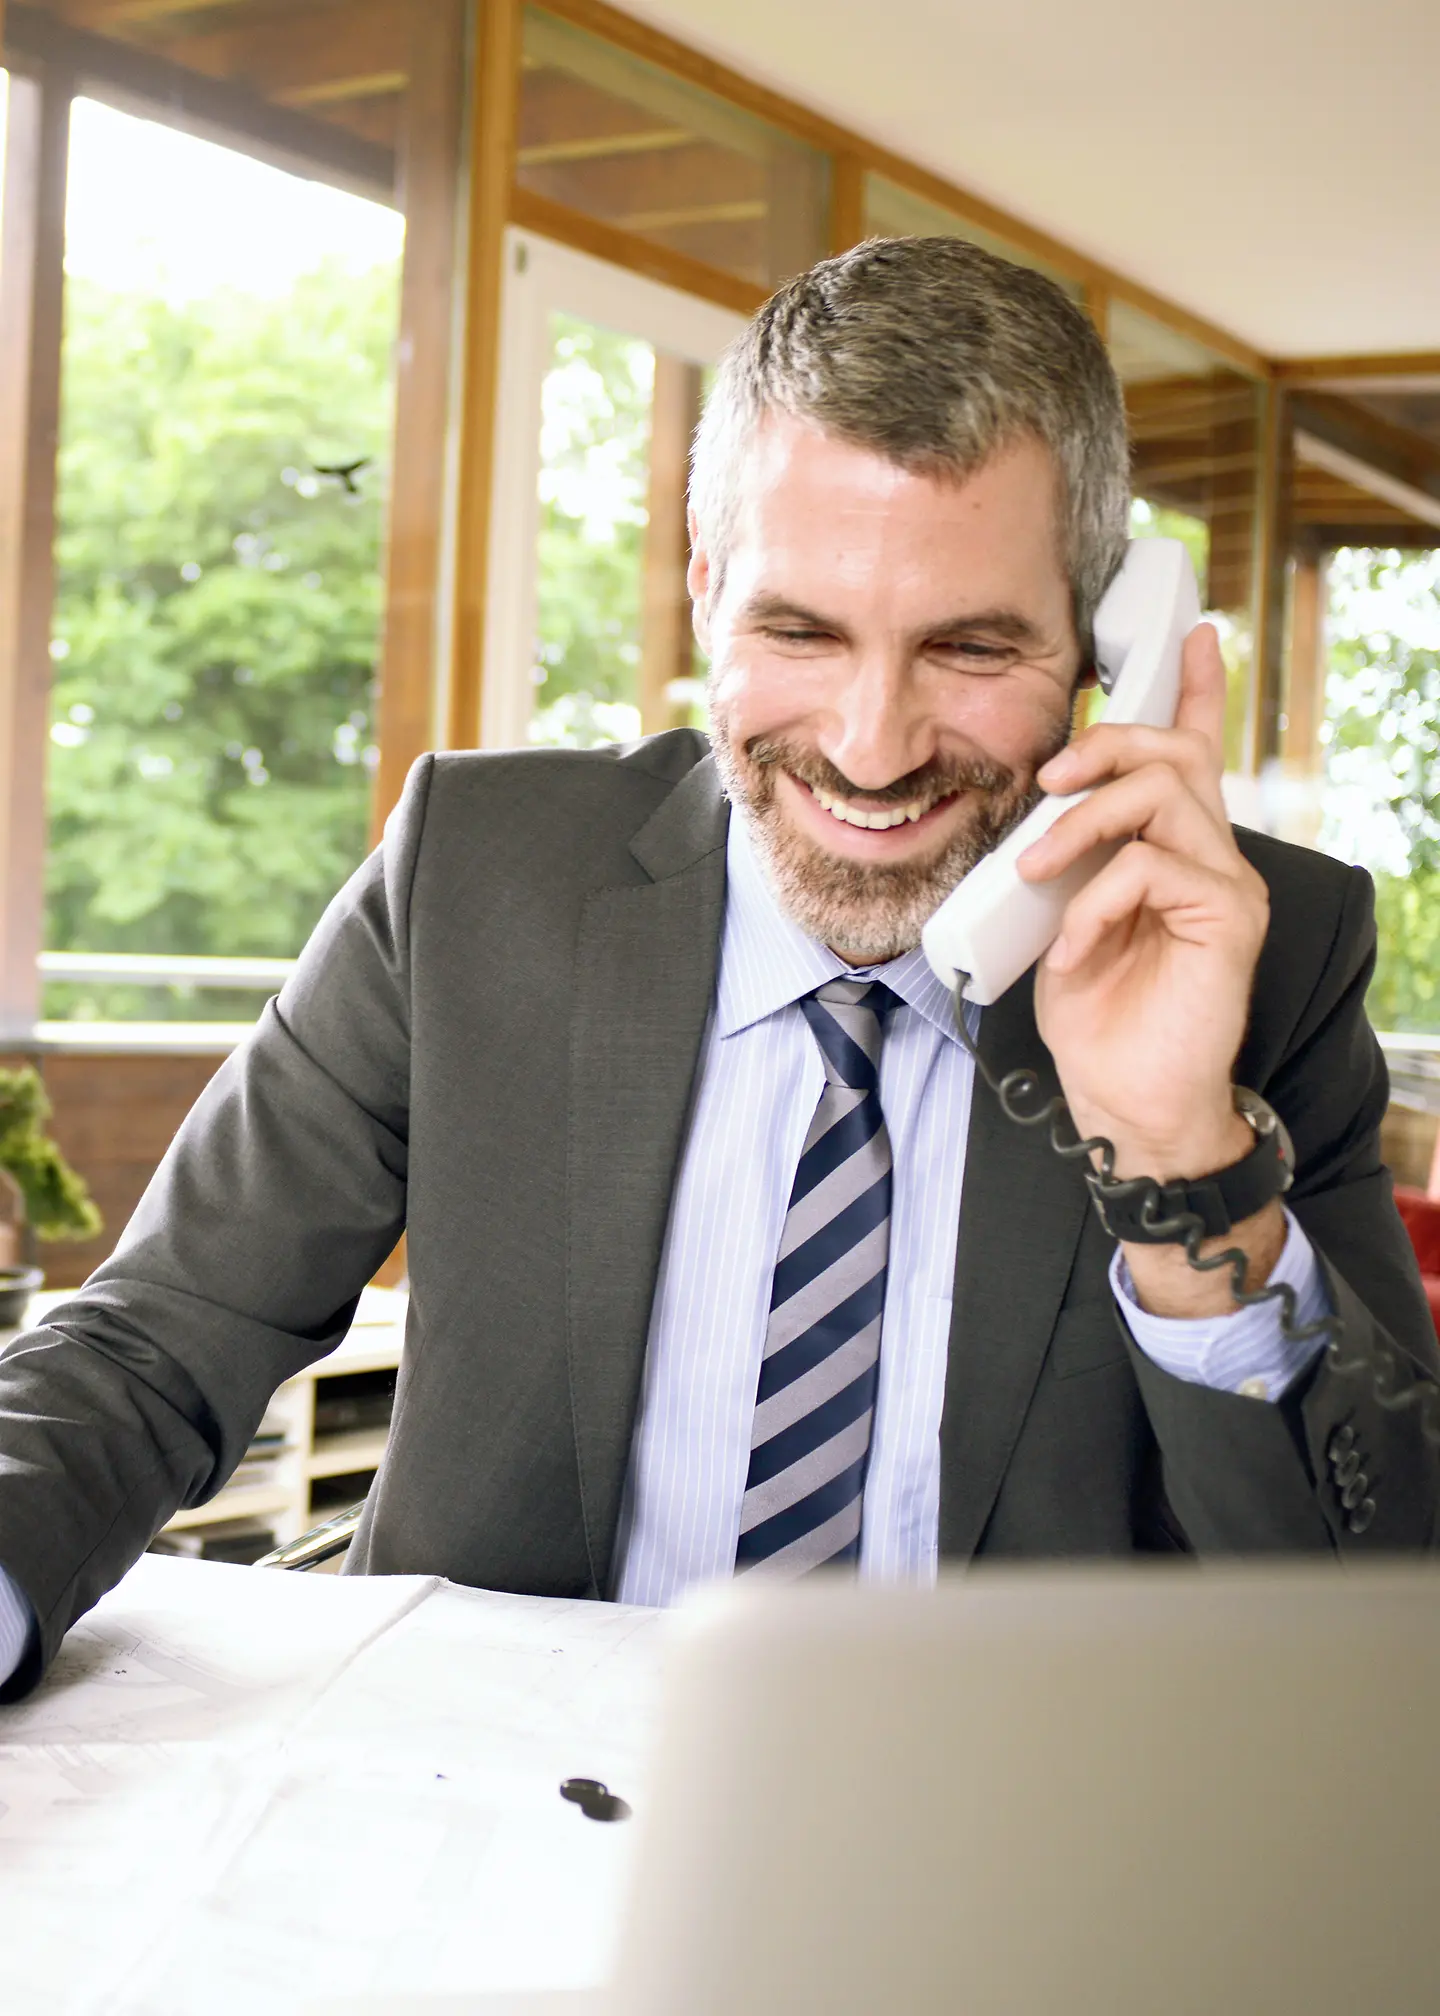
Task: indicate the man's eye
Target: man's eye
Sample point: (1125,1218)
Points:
(793,636)
(972,653)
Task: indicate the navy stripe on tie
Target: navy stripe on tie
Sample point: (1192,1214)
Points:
(803,1517)
(833,1240)
(813,1430)
(813,1346)
(837,1144)
(848,1061)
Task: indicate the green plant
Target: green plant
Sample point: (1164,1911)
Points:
(57,1203)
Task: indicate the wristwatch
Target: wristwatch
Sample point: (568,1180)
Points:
(1141,1212)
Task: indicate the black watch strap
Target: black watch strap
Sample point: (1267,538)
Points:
(1142,1212)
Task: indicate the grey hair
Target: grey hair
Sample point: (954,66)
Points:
(935,354)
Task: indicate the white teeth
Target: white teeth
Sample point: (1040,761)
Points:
(855,815)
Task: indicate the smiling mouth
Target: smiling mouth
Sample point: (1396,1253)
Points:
(874,818)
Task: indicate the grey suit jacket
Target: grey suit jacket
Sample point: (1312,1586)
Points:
(490,1043)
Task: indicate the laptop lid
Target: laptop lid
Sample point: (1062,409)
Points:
(1097,1791)
(1120,1791)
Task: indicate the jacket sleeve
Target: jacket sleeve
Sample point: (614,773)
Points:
(1348,1461)
(281,1194)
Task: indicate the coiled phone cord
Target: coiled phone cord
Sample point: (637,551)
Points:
(1018,1092)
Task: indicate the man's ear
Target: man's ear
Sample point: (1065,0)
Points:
(698,581)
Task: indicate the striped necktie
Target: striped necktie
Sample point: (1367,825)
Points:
(816,1398)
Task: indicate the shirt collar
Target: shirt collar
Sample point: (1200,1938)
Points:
(767,961)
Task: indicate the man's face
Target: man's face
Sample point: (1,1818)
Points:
(892,658)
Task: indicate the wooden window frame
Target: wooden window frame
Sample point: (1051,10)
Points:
(426,173)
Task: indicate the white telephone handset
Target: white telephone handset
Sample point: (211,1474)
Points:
(994,925)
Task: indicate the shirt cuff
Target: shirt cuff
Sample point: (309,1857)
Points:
(1243,1352)
(17,1621)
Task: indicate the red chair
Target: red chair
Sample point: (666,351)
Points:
(1421,1215)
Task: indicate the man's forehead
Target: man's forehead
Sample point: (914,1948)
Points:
(809,501)
(789,458)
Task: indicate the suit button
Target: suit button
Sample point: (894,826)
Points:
(1348,1470)
(1341,1443)
(1355,1489)
(1360,1518)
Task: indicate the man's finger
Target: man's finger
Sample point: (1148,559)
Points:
(1196,903)
(1202,688)
(1152,801)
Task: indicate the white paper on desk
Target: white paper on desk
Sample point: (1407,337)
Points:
(185,1650)
(131,1771)
(416,1838)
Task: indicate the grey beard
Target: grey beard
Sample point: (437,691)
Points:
(872,913)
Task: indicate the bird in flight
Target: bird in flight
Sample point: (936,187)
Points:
(345,472)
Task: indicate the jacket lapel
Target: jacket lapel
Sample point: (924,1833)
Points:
(1022,1213)
(645,980)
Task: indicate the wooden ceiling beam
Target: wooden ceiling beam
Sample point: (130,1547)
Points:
(1396,458)
(654,140)
(1407,538)
(1189,467)
(306,53)
(680,217)
(1405,369)
(215,108)
(555,106)
(344,90)
(695,177)
(104,16)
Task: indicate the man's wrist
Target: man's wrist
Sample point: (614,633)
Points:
(1207,1144)
(1167,1285)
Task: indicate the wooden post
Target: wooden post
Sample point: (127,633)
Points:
(493,107)
(847,202)
(32,281)
(666,650)
(1273,502)
(1305,685)
(1097,307)
(428,173)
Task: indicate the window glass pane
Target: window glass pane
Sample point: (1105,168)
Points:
(1380,785)
(615,655)
(893,212)
(223,471)
(1194,431)
(627,143)
(594,473)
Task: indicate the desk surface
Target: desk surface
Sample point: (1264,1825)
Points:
(245,1790)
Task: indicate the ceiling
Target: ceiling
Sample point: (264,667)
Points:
(1273,165)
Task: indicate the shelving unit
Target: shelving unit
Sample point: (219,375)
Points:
(281,1497)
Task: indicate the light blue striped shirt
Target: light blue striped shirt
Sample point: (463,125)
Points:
(760,1081)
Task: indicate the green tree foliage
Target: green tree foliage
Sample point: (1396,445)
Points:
(218,609)
(1383,776)
(595,447)
(57,1203)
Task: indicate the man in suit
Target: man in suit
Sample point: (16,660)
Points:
(720,1256)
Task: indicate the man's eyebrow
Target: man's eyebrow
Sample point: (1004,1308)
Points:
(769,608)
(1010,625)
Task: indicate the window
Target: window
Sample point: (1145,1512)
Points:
(224,448)
(612,136)
(588,627)
(893,212)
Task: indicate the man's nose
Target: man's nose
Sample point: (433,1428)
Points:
(877,731)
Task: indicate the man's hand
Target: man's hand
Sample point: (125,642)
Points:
(1143,998)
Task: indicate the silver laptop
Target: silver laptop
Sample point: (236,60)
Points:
(1098,1792)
